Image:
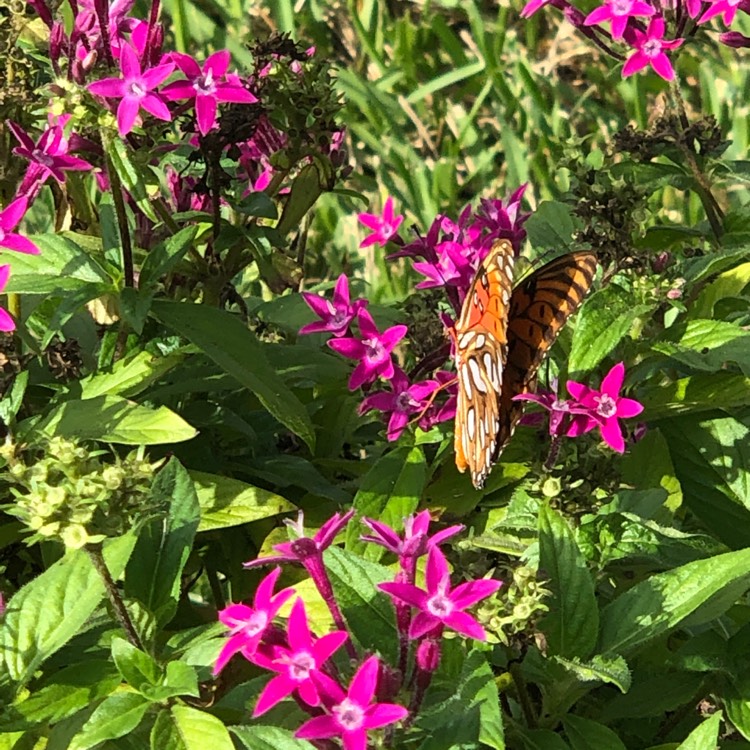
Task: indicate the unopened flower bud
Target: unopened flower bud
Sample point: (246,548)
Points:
(734,39)
(661,261)
(551,487)
(428,655)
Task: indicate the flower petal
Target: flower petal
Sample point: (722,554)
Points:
(11,215)
(20,244)
(628,407)
(612,435)
(274,692)
(365,682)
(464,623)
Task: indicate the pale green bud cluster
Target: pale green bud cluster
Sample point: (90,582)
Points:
(515,608)
(64,490)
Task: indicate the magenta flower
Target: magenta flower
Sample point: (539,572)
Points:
(10,218)
(373,350)
(304,546)
(134,89)
(439,605)
(404,400)
(296,664)
(335,316)
(50,153)
(532,7)
(618,12)
(453,267)
(415,540)
(563,415)
(725,8)
(6,321)
(248,624)
(607,406)
(650,46)
(383,227)
(206,87)
(503,218)
(352,713)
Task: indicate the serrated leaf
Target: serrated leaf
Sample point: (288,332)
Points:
(239,353)
(603,321)
(389,492)
(165,256)
(116,420)
(695,394)
(228,502)
(131,175)
(551,226)
(611,670)
(728,284)
(47,612)
(260,737)
(697,593)
(585,734)
(164,543)
(572,623)
(137,667)
(116,716)
(653,696)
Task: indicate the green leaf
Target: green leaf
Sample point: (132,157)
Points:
(115,420)
(114,717)
(572,623)
(62,266)
(185,728)
(697,593)
(654,696)
(131,175)
(603,321)
(605,669)
(137,667)
(368,613)
(165,256)
(737,707)
(228,502)
(543,739)
(129,376)
(585,734)
(728,284)
(135,306)
(239,353)
(551,226)
(712,461)
(305,190)
(648,465)
(260,737)
(705,736)
(464,711)
(695,394)
(164,543)
(389,492)
(47,612)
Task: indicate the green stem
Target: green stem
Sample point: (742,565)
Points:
(714,214)
(523,696)
(113,594)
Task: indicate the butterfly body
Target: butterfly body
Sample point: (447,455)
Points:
(500,340)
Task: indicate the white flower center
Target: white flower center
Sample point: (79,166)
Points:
(439,605)
(2,234)
(375,351)
(137,89)
(621,7)
(300,665)
(205,84)
(606,406)
(652,48)
(349,715)
(255,624)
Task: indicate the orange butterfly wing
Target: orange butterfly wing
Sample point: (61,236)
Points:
(480,338)
(501,339)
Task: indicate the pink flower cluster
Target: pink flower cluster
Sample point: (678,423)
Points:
(589,409)
(648,30)
(302,662)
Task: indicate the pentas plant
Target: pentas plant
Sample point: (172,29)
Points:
(644,34)
(448,256)
(303,664)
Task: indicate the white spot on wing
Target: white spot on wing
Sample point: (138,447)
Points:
(465,381)
(476,376)
(481,338)
(470,422)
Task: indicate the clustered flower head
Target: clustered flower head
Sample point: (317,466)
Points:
(302,663)
(643,32)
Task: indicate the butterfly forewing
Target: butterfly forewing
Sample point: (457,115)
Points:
(501,338)
(480,337)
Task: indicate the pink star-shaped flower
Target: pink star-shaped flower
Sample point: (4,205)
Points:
(383,227)
(439,604)
(10,218)
(352,713)
(725,8)
(207,85)
(49,153)
(336,315)
(135,89)
(650,46)
(618,12)
(297,664)
(373,350)
(607,406)
(6,324)
(248,624)
(563,415)
(404,400)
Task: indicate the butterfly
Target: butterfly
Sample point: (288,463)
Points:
(500,339)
